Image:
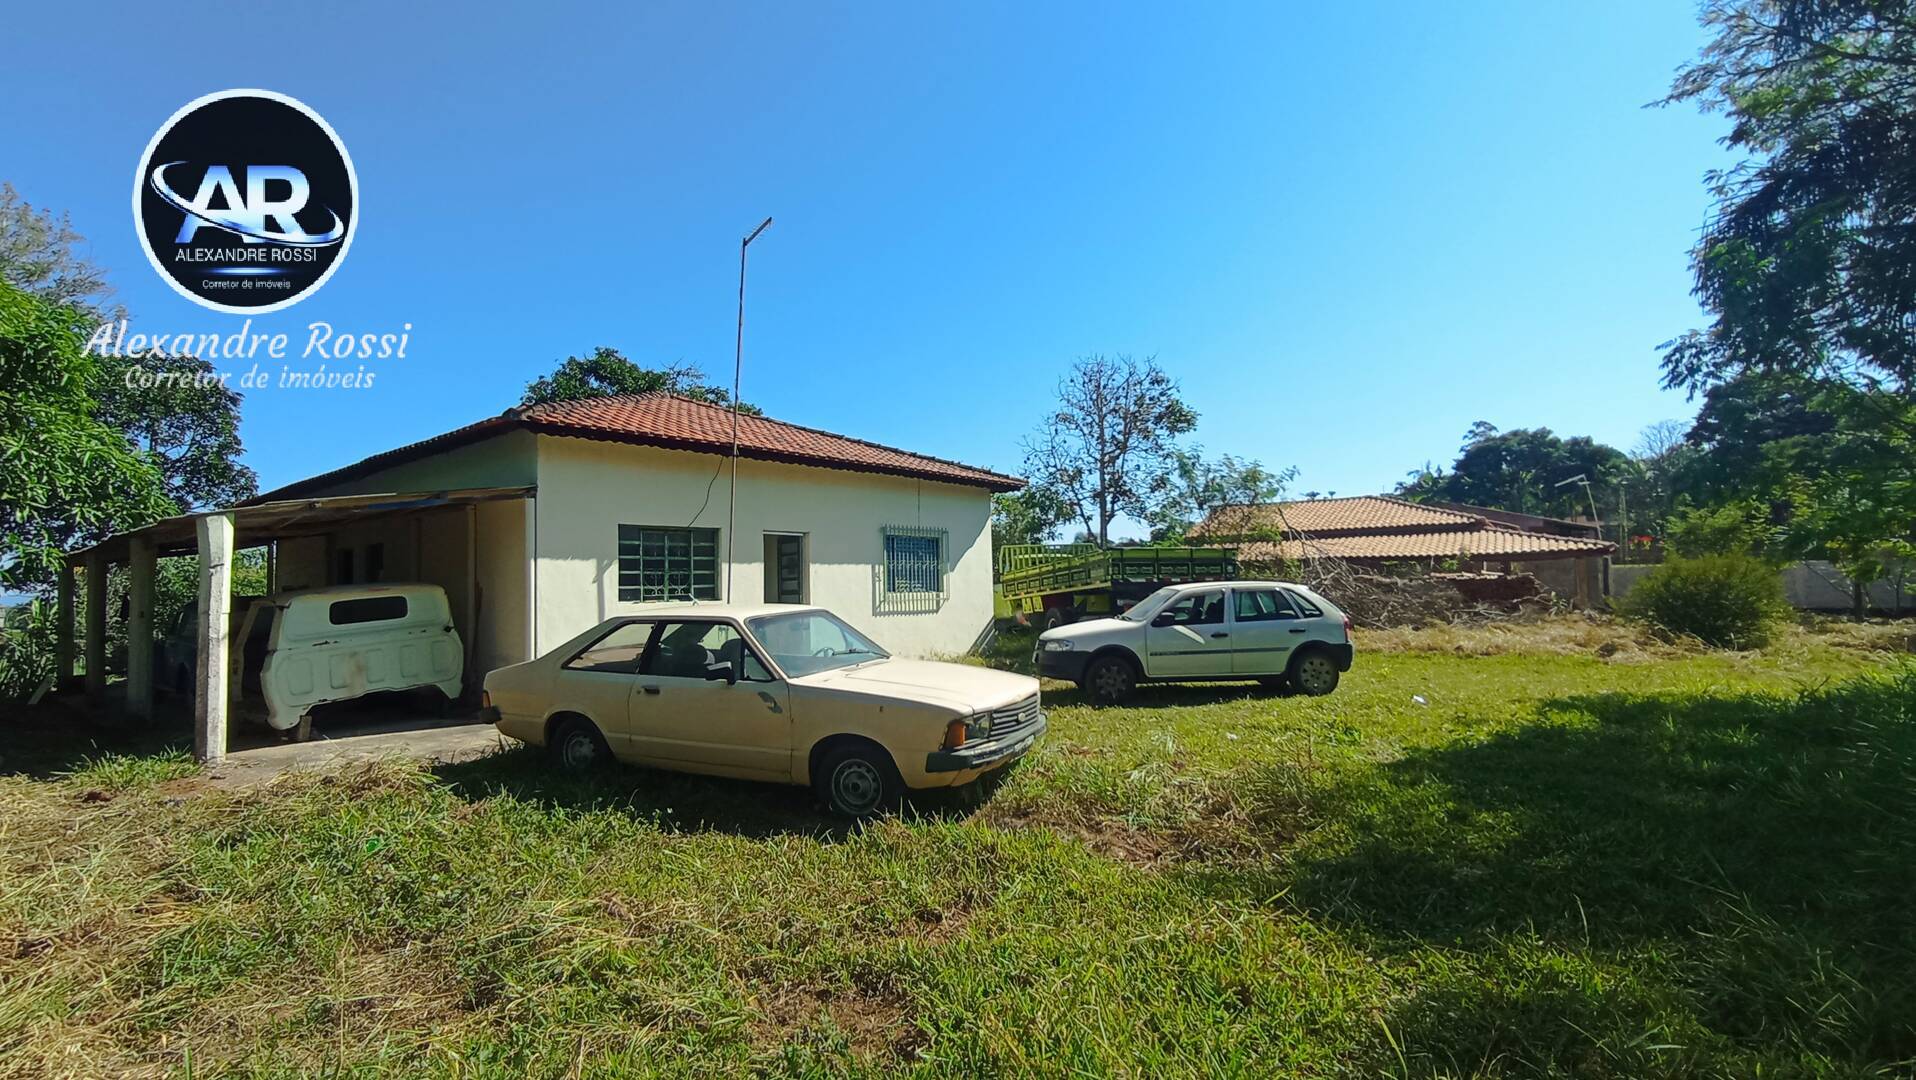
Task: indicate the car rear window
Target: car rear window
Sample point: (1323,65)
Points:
(1310,610)
(366,609)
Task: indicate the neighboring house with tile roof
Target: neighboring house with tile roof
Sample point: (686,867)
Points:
(1381,529)
(626,504)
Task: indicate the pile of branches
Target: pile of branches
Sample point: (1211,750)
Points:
(1375,600)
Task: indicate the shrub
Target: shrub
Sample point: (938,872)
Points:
(1732,601)
(26,652)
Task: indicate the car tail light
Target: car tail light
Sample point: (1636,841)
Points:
(1347,628)
(954,734)
(485,699)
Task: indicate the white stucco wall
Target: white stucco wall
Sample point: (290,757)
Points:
(587,489)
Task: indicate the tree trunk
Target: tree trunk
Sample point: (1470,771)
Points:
(1859,596)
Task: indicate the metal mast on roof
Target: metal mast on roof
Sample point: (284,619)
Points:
(738,366)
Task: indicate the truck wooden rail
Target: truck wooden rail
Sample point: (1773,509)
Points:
(1066,582)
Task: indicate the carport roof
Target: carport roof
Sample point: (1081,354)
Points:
(256,523)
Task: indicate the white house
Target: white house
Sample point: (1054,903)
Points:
(543,521)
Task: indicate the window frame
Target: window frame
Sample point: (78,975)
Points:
(1287,609)
(635,593)
(405,609)
(1305,608)
(912,600)
(1224,607)
(658,634)
(651,635)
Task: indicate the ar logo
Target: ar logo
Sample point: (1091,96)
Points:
(248,216)
(245,201)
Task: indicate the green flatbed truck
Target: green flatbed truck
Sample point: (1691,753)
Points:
(1054,584)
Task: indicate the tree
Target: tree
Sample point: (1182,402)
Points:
(1740,425)
(190,426)
(1804,267)
(1520,470)
(1200,488)
(1851,494)
(607,373)
(1107,450)
(66,477)
(37,255)
(1030,516)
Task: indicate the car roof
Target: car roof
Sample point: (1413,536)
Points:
(712,610)
(1244,584)
(335,592)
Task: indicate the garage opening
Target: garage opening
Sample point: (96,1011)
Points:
(397,605)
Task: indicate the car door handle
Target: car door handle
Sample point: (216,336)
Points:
(650,689)
(1219,634)
(1297,629)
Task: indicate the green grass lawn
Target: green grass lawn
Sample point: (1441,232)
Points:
(1518,864)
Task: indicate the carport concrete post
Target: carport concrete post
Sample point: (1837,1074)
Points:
(216,600)
(63,627)
(96,626)
(139,628)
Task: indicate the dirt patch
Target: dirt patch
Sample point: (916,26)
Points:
(873,1021)
(1104,836)
(183,788)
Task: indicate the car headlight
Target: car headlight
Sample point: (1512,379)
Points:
(977,728)
(1056,645)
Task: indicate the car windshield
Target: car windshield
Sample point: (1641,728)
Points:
(1142,610)
(806,642)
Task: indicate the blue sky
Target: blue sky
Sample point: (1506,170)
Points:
(1348,233)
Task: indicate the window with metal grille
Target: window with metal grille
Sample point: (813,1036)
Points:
(914,569)
(667,564)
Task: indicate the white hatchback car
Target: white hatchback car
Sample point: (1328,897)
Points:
(1273,631)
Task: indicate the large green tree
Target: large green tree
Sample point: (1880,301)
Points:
(1525,470)
(164,406)
(1805,266)
(1200,486)
(67,477)
(1029,516)
(607,372)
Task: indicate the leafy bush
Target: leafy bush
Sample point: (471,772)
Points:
(1733,601)
(1735,528)
(26,652)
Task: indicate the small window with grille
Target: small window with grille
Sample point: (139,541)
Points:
(914,569)
(658,563)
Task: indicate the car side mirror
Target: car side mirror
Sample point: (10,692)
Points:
(722,671)
(1165,619)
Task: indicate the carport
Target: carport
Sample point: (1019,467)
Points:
(216,536)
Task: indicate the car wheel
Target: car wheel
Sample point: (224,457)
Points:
(577,747)
(1109,680)
(857,780)
(1314,673)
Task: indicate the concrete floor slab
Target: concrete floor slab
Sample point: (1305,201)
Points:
(445,743)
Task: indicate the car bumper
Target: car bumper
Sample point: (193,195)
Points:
(1343,654)
(525,729)
(987,754)
(1067,664)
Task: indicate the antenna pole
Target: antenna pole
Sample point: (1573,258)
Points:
(738,367)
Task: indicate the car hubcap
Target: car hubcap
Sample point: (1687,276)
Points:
(855,785)
(1316,675)
(580,751)
(1111,679)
